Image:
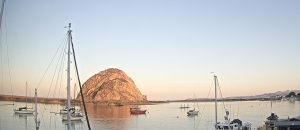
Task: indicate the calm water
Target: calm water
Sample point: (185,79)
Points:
(161,116)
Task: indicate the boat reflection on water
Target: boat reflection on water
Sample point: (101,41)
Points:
(137,111)
(109,117)
(192,118)
(24,117)
(107,112)
(76,124)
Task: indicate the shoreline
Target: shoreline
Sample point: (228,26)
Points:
(63,101)
(116,103)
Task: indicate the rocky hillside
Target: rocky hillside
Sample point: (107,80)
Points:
(111,86)
(268,95)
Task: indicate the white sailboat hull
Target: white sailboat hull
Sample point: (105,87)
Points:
(65,110)
(192,112)
(23,111)
(73,118)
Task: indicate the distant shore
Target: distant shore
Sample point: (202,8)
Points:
(31,99)
(63,101)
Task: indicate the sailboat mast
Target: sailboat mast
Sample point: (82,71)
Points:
(68,77)
(74,94)
(26,95)
(194,101)
(36,113)
(216,107)
(1,15)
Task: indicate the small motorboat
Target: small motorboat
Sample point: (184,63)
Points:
(137,110)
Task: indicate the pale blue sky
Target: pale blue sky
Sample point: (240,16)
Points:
(168,47)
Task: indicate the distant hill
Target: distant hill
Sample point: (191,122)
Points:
(266,95)
(31,99)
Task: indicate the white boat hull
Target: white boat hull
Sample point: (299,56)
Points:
(76,118)
(65,111)
(193,112)
(24,111)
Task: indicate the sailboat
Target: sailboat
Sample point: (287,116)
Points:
(72,109)
(24,110)
(235,124)
(71,115)
(193,111)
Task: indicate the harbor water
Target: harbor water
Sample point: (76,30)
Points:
(158,117)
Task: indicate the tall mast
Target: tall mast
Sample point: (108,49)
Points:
(216,107)
(74,95)
(26,95)
(194,101)
(37,124)
(68,78)
(1,14)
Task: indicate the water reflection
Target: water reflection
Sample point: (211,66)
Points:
(110,112)
(108,117)
(74,125)
(24,117)
(193,118)
(160,116)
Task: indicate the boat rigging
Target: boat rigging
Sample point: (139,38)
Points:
(74,115)
(235,124)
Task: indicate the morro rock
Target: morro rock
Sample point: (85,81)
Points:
(111,86)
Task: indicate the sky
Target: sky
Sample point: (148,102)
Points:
(168,47)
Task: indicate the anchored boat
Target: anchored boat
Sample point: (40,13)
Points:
(71,113)
(235,124)
(137,110)
(193,112)
(24,110)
